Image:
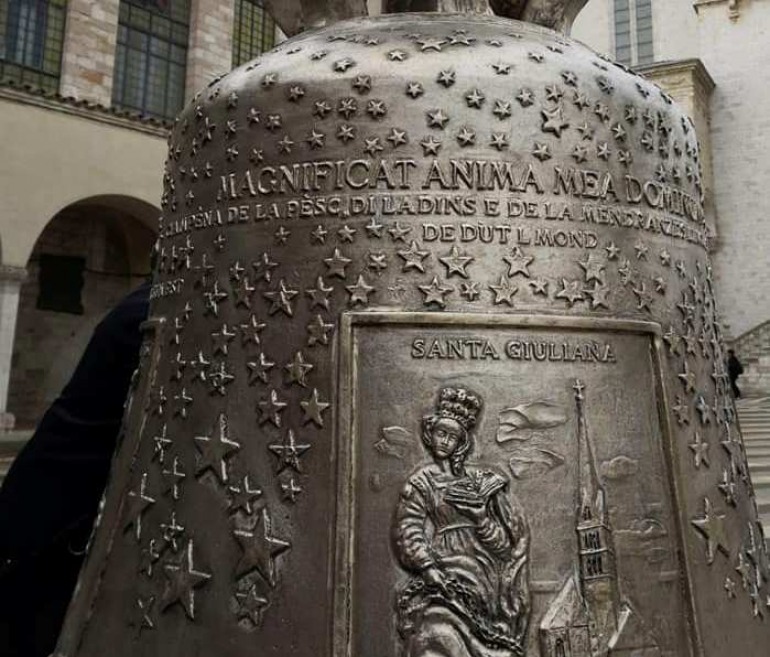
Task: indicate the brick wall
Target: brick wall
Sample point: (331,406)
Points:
(89,49)
(211,42)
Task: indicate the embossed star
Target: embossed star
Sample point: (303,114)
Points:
(346,133)
(215,449)
(504,291)
(456,262)
(259,369)
(137,502)
(321,109)
(270,409)
(182,581)
(502,68)
(700,450)
(539,286)
(342,65)
(603,151)
(446,78)
(259,549)
(397,56)
(318,331)
(571,291)
(414,89)
(541,151)
(359,293)
(430,146)
(466,137)
(362,83)
(598,294)
(682,411)
(398,232)
(475,98)
(526,97)
(337,263)
(313,409)
(435,292)
(297,370)
(518,262)
(502,109)
(580,153)
(376,109)
(263,268)
(437,119)
(373,145)
(251,605)
(373,229)
(711,526)
(470,290)
(281,299)
(397,137)
(612,251)
(413,257)
(499,141)
(315,140)
(347,107)
(288,453)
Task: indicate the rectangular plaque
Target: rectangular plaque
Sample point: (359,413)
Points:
(548,529)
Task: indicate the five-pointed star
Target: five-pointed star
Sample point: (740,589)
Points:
(504,291)
(398,232)
(250,331)
(376,109)
(313,409)
(270,409)
(460,39)
(518,263)
(214,450)
(682,411)
(456,262)
(586,131)
(143,614)
(346,133)
(359,293)
(161,444)
(397,137)
(580,153)
(435,292)
(603,150)
(502,68)
(593,268)
(343,65)
(251,605)
(263,268)
(446,78)
(466,137)
(347,107)
(700,450)
(318,332)
(727,487)
(470,290)
(643,297)
(290,489)
(437,119)
(316,139)
(377,262)
(571,291)
(362,83)
(430,146)
(430,44)
(397,55)
(413,257)
(372,146)
(414,90)
(175,476)
(525,97)
(182,401)
(569,78)
(541,151)
(319,295)
(346,233)
(281,299)
(612,251)
(499,140)
(321,108)
(288,452)
(137,502)
(475,98)
(297,370)
(744,570)
(258,370)
(539,286)
(222,338)
(712,527)
(502,109)
(598,295)
(259,549)
(337,263)
(214,297)
(581,101)
(183,579)
(688,378)
(373,229)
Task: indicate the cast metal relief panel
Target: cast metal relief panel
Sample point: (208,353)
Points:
(440,370)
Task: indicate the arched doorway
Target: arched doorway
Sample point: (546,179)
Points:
(88,257)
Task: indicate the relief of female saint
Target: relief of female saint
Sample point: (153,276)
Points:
(465,544)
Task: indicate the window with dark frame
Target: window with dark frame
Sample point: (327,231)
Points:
(31,42)
(632,22)
(151,57)
(60,283)
(253,31)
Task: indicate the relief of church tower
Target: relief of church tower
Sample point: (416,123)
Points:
(589,618)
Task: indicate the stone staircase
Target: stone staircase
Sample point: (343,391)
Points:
(753,350)
(754,418)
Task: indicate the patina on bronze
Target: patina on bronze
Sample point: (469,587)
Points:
(433,367)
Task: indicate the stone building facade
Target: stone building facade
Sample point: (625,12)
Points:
(80,185)
(710,55)
(89,88)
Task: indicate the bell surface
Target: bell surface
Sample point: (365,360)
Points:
(433,368)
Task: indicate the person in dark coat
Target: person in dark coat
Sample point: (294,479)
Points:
(734,370)
(49,499)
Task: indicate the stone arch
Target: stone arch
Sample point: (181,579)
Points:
(103,241)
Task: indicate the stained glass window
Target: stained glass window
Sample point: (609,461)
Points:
(151,57)
(31,39)
(253,31)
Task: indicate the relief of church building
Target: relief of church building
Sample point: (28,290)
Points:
(590,617)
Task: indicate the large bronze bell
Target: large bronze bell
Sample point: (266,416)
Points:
(433,368)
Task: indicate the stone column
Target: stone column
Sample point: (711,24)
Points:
(210,50)
(11,279)
(88,59)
